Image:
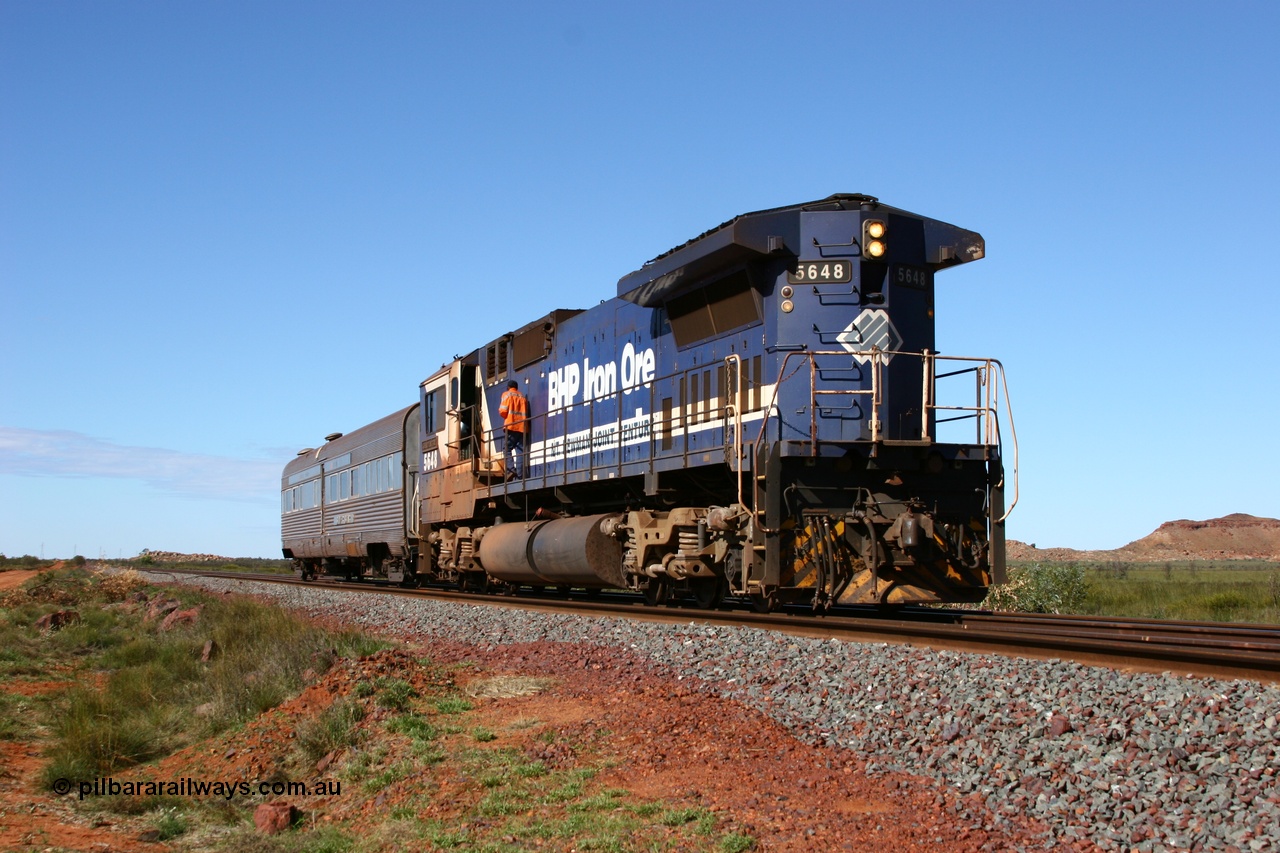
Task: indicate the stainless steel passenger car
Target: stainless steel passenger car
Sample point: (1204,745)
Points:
(345,507)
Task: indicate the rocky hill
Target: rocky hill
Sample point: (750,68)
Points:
(1232,537)
(175,557)
(150,557)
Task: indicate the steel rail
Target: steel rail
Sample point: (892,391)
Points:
(1211,649)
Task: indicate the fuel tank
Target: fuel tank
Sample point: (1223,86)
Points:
(572,551)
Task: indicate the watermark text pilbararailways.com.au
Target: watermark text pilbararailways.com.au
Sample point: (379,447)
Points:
(189,787)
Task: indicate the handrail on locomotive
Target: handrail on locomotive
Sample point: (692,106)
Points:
(990,382)
(991,394)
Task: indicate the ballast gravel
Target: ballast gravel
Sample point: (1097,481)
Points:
(1125,761)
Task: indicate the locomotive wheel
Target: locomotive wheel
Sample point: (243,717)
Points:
(709,593)
(765,602)
(657,592)
(473,582)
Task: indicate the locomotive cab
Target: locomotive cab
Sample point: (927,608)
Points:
(456,457)
(850,492)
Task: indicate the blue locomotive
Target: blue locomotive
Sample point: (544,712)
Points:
(760,412)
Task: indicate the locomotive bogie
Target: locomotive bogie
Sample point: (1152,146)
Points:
(457,549)
(677,545)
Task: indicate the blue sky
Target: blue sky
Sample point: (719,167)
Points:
(227,229)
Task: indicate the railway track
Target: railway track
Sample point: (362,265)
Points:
(1222,650)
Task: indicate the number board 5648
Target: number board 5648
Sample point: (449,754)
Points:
(820,272)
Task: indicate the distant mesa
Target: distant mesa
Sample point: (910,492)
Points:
(1233,537)
(1236,519)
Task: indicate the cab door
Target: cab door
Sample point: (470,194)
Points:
(454,446)
(434,447)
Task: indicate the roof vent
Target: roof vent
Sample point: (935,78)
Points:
(304,451)
(332,436)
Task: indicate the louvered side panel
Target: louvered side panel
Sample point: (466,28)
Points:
(301,532)
(355,523)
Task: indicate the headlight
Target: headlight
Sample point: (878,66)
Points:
(873,245)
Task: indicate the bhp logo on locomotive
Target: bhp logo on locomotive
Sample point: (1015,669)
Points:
(563,384)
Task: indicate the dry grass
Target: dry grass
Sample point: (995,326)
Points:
(144,706)
(507,686)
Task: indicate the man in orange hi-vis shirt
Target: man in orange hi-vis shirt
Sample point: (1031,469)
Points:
(514,410)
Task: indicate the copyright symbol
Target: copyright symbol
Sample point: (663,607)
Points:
(61,786)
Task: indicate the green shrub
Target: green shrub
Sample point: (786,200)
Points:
(97,734)
(15,716)
(64,587)
(676,817)
(267,655)
(159,695)
(394,693)
(452,705)
(333,728)
(1041,588)
(170,823)
(416,727)
(1223,605)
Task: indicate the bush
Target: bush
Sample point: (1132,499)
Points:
(395,693)
(1041,588)
(334,728)
(158,695)
(1223,605)
(452,705)
(170,823)
(415,726)
(65,587)
(97,734)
